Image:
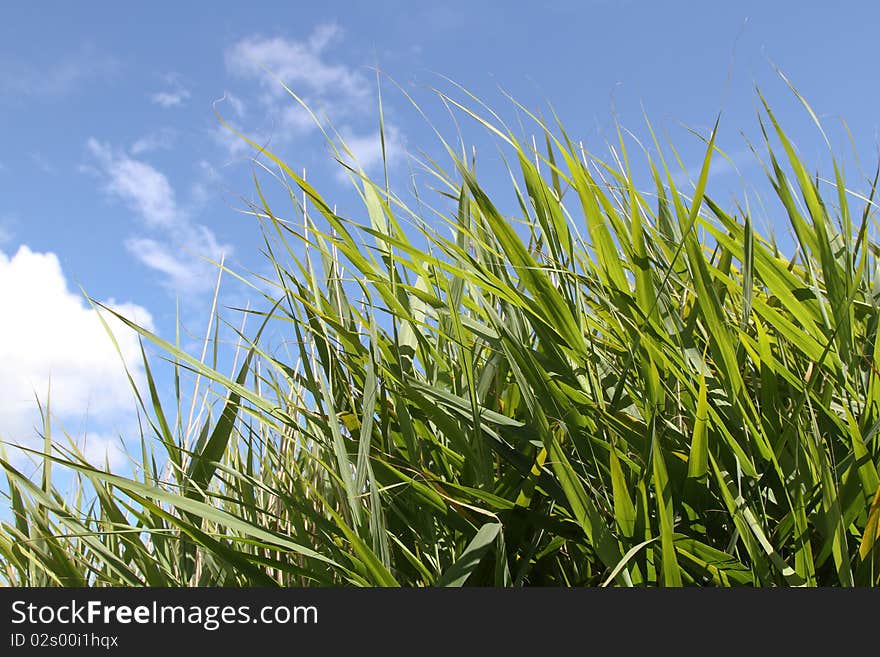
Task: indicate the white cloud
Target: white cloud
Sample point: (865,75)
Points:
(174,95)
(156,255)
(235,145)
(221,135)
(296,120)
(334,90)
(169,99)
(41,162)
(720,166)
(367,148)
(175,251)
(51,336)
(139,185)
(298,64)
(290,121)
(100,450)
(181,260)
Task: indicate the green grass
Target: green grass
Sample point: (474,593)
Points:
(612,387)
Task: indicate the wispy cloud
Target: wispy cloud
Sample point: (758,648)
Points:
(159,140)
(100,449)
(143,188)
(22,80)
(332,88)
(169,99)
(174,245)
(720,166)
(181,259)
(8,222)
(301,64)
(236,103)
(366,148)
(174,94)
(41,162)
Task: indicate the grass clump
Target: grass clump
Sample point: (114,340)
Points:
(612,387)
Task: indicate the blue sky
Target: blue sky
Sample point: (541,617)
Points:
(116,175)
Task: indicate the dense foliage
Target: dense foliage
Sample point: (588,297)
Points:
(614,386)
